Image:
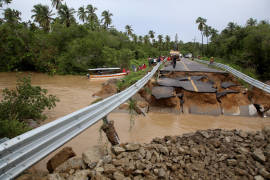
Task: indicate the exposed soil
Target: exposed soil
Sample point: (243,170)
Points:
(229,102)
(108,88)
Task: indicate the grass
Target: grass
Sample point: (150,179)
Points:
(131,78)
(248,71)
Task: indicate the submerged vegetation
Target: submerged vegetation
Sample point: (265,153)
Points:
(26,102)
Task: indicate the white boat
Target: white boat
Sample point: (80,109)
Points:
(99,73)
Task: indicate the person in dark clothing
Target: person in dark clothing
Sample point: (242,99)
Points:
(174,61)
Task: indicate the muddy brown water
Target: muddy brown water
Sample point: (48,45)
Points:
(75,92)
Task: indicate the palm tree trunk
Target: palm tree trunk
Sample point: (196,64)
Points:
(206,44)
(202,42)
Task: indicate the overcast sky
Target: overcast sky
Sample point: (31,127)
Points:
(167,17)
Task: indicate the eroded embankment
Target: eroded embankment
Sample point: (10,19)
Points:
(210,154)
(207,93)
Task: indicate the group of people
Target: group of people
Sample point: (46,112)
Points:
(153,61)
(140,67)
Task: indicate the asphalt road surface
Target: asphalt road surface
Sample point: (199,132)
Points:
(189,83)
(186,65)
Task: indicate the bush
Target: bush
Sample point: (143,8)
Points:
(24,102)
(130,79)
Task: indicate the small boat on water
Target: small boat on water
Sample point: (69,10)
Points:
(99,73)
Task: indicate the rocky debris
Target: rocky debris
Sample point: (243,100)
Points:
(117,149)
(210,154)
(72,163)
(132,147)
(226,85)
(91,156)
(59,158)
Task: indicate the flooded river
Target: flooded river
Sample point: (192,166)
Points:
(75,92)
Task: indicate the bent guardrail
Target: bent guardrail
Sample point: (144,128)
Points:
(240,75)
(23,151)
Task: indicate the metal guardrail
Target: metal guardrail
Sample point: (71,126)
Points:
(240,75)
(23,151)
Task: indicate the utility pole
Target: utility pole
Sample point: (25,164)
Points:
(176,42)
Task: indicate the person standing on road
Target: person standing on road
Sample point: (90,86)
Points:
(174,61)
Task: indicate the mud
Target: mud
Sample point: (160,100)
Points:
(74,92)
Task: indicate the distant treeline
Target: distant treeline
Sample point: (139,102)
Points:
(62,45)
(247,46)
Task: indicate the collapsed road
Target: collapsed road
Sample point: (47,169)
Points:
(203,89)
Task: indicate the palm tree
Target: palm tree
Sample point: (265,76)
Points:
(57,3)
(167,41)
(106,18)
(206,32)
(201,23)
(135,38)
(92,17)
(140,39)
(264,22)
(82,14)
(160,41)
(66,15)
(12,16)
(43,16)
(231,26)
(4,2)
(251,22)
(213,33)
(152,35)
(146,39)
(129,30)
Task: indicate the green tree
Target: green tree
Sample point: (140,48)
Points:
(12,16)
(2,2)
(92,17)
(201,23)
(106,18)
(160,41)
(251,22)
(151,34)
(213,33)
(128,30)
(140,38)
(134,38)
(167,41)
(146,39)
(66,15)
(206,32)
(43,16)
(57,3)
(82,14)
(24,102)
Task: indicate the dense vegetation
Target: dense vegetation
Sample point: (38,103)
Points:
(60,44)
(21,104)
(246,47)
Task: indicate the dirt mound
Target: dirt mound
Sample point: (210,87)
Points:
(211,154)
(108,88)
